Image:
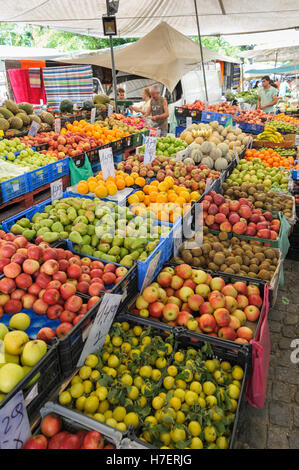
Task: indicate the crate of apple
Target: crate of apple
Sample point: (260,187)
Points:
(60,432)
(184,296)
(255,116)
(239,217)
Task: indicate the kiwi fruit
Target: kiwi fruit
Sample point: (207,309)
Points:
(265,275)
(213,266)
(226,244)
(195,261)
(239,259)
(196,251)
(223,267)
(202,261)
(235,240)
(260,257)
(245,268)
(206,248)
(217,246)
(223,236)
(235,267)
(251,274)
(265,265)
(229,271)
(246,260)
(270,254)
(273,267)
(255,261)
(219,258)
(205,230)
(187,257)
(253,268)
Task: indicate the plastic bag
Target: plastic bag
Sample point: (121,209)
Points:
(256,385)
(82,173)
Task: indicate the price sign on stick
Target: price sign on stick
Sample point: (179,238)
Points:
(209,183)
(236,155)
(93,115)
(110,110)
(107,164)
(151,270)
(14,423)
(177,239)
(101,325)
(57,125)
(150,149)
(188,121)
(56,190)
(33,128)
(297,140)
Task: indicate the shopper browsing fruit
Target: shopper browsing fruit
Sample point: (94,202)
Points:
(267,96)
(145,104)
(158,110)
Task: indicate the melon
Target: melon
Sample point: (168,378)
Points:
(208,161)
(223,148)
(215,154)
(206,147)
(196,155)
(221,164)
(231,137)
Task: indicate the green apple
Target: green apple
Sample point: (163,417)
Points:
(20,321)
(14,342)
(33,352)
(10,376)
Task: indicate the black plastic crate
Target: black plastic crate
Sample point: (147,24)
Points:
(117,146)
(180,112)
(48,381)
(39,147)
(127,141)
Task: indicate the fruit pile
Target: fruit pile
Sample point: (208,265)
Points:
(10,146)
(16,118)
(238,217)
(225,108)
(197,105)
(271,158)
(31,159)
(190,297)
(20,355)
(261,198)
(218,254)
(119,386)
(165,201)
(256,172)
(284,127)
(270,134)
(98,132)
(284,117)
(132,121)
(54,436)
(255,116)
(167,146)
(284,152)
(96,184)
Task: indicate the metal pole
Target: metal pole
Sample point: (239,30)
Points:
(112,64)
(201,53)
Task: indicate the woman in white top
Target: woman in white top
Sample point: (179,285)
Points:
(144,105)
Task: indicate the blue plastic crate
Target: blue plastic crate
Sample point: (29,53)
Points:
(118,158)
(28,213)
(179,130)
(36,322)
(59,169)
(39,177)
(96,168)
(207,116)
(14,187)
(249,127)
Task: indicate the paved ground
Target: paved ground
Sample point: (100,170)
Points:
(277,424)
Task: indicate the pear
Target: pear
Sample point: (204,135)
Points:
(33,352)
(20,321)
(10,376)
(14,342)
(3,330)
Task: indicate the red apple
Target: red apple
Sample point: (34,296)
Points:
(40,307)
(207,323)
(63,329)
(39,441)
(51,296)
(13,306)
(255,299)
(30,266)
(93,440)
(67,290)
(28,300)
(227,333)
(67,316)
(51,425)
(73,303)
(155,309)
(46,334)
(54,311)
(184,271)
(245,333)
(222,317)
(150,294)
(12,270)
(252,313)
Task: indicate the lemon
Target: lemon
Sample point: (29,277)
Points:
(180,393)
(179,356)
(65,398)
(111,422)
(233,391)
(133,393)
(99,417)
(189,375)
(126,347)
(95,375)
(113,361)
(156,375)
(131,419)
(172,370)
(152,420)
(126,379)
(168,382)
(210,365)
(197,376)
(180,417)
(91,404)
(190,397)
(161,363)
(237,373)
(146,340)
(80,402)
(225,365)
(87,384)
(112,372)
(103,406)
(125,325)
(108,414)
(218,376)
(209,388)
(102,393)
(165,438)
(138,381)
(169,349)
(157,403)
(196,443)
(142,402)
(137,330)
(202,402)
(134,341)
(76,380)
(91,360)
(234,404)
(194,428)
(237,383)
(210,433)
(211,400)
(145,371)
(77,390)
(222,442)
(133,353)
(121,426)
(175,403)
(105,356)
(85,372)
(181,384)
(196,387)
(116,341)
(178,435)
(216,416)
(119,413)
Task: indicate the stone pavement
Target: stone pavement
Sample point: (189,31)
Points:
(277,424)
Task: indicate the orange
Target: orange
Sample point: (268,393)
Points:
(129,181)
(146,188)
(101,191)
(134,175)
(140,181)
(181,201)
(82,187)
(140,195)
(92,186)
(170,181)
(154,183)
(112,189)
(110,179)
(161,198)
(153,196)
(133,199)
(163,186)
(91,178)
(194,195)
(147,200)
(120,183)
(185,195)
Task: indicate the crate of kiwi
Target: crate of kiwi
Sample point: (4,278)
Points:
(263,199)
(221,254)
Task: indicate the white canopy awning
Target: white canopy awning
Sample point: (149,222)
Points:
(135,18)
(33,53)
(286,51)
(164,55)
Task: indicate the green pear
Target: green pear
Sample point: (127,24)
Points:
(10,376)
(26,370)
(14,342)
(33,352)
(3,330)
(20,321)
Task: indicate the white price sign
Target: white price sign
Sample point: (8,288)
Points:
(236,155)
(33,128)
(158,133)
(107,164)
(110,110)
(101,325)
(14,423)
(177,240)
(297,140)
(150,149)
(188,121)
(57,125)
(93,115)
(151,271)
(56,190)
(209,183)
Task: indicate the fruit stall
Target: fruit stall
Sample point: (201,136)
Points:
(135,295)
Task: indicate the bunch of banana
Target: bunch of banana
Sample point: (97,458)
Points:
(270,134)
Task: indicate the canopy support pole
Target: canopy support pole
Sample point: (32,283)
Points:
(201,53)
(112,62)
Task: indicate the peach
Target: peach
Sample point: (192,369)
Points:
(217,283)
(234,322)
(225,227)
(176,282)
(245,333)
(222,317)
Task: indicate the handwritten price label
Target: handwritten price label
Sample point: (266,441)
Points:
(150,149)
(236,155)
(14,423)
(93,115)
(101,325)
(188,121)
(107,164)
(57,125)
(151,270)
(110,110)
(56,190)
(33,128)
(208,187)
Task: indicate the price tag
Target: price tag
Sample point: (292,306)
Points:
(151,271)
(177,239)
(107,164)
(16,186)
(297,140)
(110,110)
(56,190)
(93,115)
(188,121)
(33,128)
(101,325)
(236,155)
(158,133)
(209,183)
(32,394)
(150,149)
(57,125)
(14,423)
